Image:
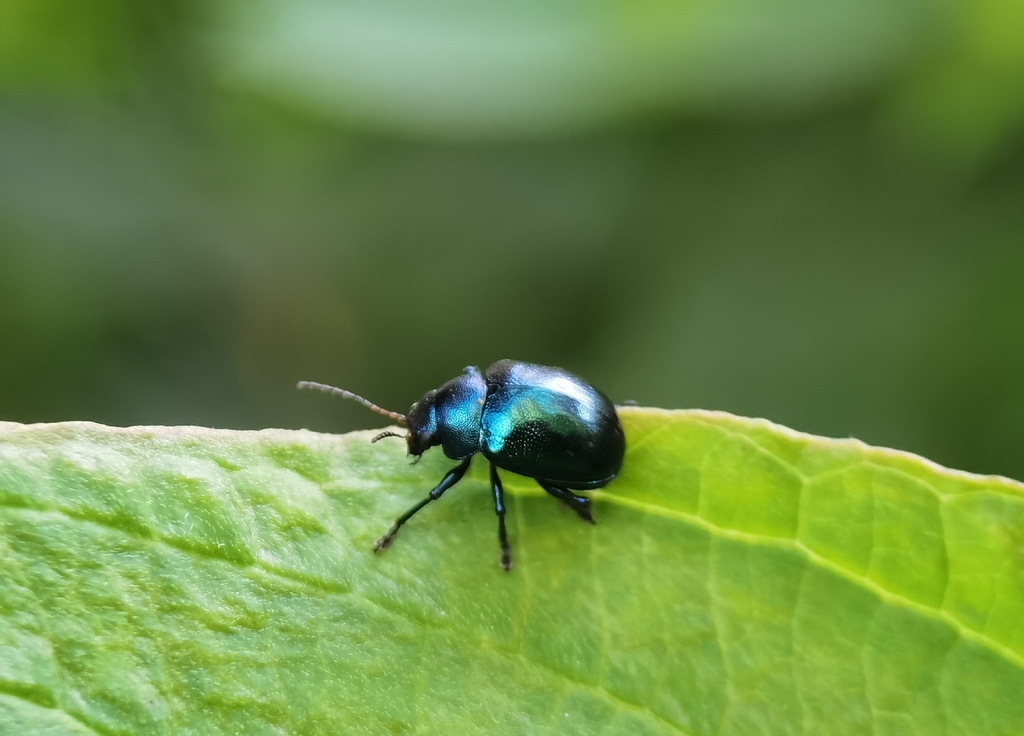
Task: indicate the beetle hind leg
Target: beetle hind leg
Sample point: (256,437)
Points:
(579,504)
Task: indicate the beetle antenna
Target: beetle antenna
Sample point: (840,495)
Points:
(387,433)
(394,416)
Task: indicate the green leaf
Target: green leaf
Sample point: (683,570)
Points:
(742,579)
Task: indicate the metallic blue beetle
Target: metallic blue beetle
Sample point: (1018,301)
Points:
(541,422)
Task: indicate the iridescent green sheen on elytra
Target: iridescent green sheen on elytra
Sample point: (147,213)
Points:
(548,424)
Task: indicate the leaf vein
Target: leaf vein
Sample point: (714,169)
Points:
(823,562)
(47,701)
(567,680)
(309,581)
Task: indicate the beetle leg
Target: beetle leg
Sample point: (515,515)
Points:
(450,478)
(499,509)
(579,504)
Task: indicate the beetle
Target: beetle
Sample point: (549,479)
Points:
(538,421)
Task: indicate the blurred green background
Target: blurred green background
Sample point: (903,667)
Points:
(811,212)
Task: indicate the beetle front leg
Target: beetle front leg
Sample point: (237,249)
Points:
(499,509)
(450,478)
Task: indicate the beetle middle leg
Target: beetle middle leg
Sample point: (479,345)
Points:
(499,509)
(579,504)
(450,478)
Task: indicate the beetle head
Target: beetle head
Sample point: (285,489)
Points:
(423,425)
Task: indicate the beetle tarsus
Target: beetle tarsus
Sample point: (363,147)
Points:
(581,506)
(506,550)
(585,515)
